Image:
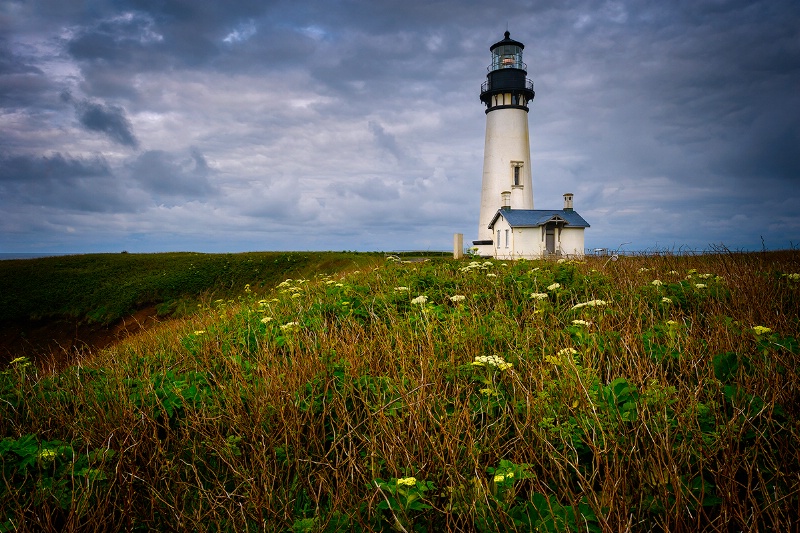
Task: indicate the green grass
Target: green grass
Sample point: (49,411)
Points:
(349,402)
(106,287)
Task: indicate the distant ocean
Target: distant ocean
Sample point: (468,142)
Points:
(29,256)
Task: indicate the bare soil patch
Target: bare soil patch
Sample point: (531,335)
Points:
(56,343)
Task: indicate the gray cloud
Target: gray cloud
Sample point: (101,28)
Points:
(61,182)
(168,176)
(108,119)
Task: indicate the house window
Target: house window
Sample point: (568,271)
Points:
(498,238)
(516,169)
(506,238)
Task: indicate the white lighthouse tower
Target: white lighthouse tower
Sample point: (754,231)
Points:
(507,153)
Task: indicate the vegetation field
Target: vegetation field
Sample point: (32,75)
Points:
(644,394)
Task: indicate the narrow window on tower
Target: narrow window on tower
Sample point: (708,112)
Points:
(516,169)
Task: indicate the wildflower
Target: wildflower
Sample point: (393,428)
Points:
(487,264)
(700,285)
(491,275)
(760,330)
(562,260)
(554,286)
(666,300)
(672,323)
(458,298)
(590,303)
(567,351)
(793,277)
(643,269)
(345,303)
(296,295)
(420,300)
(552,360)
(47,454)
(704,276)
(538,295)
(266,319)
(407,481)
(19,360)
(581,323)
(673,272)
(290,326)
(198,332)
(535,269)
(499,478)
(285,283)
(400,289)
(492,360)
(489,392)
(656,282)
(247,288)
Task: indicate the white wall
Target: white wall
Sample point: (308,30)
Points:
(507,140)
(572,242)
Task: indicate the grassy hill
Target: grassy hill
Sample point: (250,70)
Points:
(105,287)
(648,393)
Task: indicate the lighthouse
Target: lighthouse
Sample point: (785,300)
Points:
(506,93)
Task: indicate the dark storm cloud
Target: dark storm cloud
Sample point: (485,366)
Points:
(21,83)
(170,176)
(108,119)
(62,182)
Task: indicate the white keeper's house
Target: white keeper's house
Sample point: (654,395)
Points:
(509,226)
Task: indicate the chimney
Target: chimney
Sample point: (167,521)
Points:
(505,196)
(567,201)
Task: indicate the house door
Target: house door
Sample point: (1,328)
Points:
(550,238)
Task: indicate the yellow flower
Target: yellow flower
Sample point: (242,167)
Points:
(538,295)
(760,330)
(666,300)
(47,454)
(199,332)
(581,323)
(266,319)
(554,286)
(498,478)
(700,285)
(407,481)
(567,351)
(458,298)
(656,282)
(420,300)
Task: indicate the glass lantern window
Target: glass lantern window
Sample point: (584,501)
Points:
(506,56)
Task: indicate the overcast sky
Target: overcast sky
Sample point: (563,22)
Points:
(225,126)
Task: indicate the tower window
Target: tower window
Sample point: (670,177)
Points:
(516,169)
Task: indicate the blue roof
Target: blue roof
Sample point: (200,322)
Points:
(532,218)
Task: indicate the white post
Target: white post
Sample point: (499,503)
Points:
(458,245)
